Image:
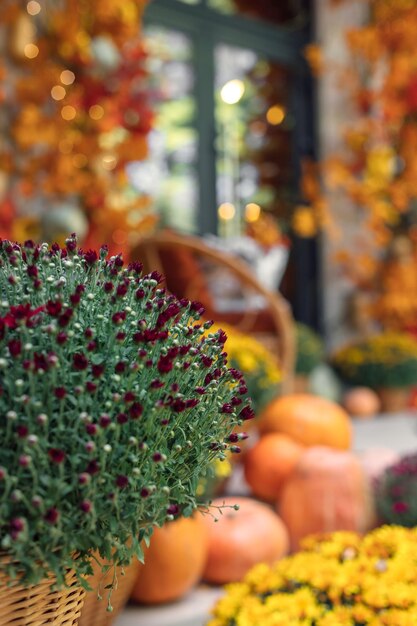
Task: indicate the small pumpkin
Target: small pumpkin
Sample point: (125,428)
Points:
(328,490)
(174,561)
(309,420)
(268,464)
(362,402)
(240,539)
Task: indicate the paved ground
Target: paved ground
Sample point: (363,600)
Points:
(397,432)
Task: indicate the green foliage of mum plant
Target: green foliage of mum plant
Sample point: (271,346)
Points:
(310,349)
(114,402)
(385,360)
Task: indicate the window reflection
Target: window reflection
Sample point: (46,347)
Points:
(254,125)
(169,173)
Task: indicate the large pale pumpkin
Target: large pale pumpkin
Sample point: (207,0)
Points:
(328,490)
(174,561)
(309,420)
(240,539)
(268,464)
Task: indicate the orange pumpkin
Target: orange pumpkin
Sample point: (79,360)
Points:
(174,561)
(327,491)
(309,420)
(362,402)
(240,539)
(268,464)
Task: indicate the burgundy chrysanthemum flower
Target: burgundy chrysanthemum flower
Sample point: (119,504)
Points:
(86,506)
(40,362)
(121,290)
(227,408)
(22,431)
(15,347)
(97,370)
(136,410)
(247,413)
(122,418)
(65,318)
(75,298)
(165,365)
(135,266)
(61,338)
(122,481)
(400,507)
(104,420)
(139,294)
(118,317)
(171,311)
(56,455)
(60,392)
(79,361)
(173,509)
(91,346)
(93,467)
(108,286)
(90,257)
(90,386)
(156,384)
(91,429)
(17,525)
(32,271)
(178,405)
(52,515)
(129,396)
(144,492)
(120,367)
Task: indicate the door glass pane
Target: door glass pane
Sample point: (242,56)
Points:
(254,139)
(278,12)
(169,174)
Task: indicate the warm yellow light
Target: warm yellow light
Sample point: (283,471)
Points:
(109,162)
(252,212)
(79,160)
(232,91)
(33,7)
(226,211)
(31,51)
(275,115)
(58,92)
(96,112)
(68,112)
(65,146)
(67,77)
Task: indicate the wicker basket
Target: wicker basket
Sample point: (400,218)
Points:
(95,612)
(38,605)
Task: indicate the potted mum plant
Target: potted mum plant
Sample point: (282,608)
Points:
(114,402)
(386,362)
(395,493)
